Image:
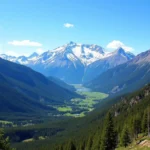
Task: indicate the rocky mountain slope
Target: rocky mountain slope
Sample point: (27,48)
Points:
(126,77)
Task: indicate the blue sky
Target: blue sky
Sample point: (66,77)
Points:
(39,25)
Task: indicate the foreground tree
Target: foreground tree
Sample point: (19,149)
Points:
(82,146)
(125,138)
(89,143)
(144,123)
(136,127)
(109,135)
(70,146)
(4,143)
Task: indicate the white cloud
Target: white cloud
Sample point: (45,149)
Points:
(68,25)
(116,44)
(40,50)
(25,43)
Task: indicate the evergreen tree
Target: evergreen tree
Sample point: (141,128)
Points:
(109,136)
(136,127)
(60,147)
(96,141)
(70,146)
(125,139)
(4,143)
(82,146)
(144,123)
(89,143)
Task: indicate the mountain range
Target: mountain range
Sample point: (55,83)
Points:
(72,62)
(126,77)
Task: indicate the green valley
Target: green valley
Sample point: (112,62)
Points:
(78,107)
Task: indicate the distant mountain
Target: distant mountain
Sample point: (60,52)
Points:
(113,59)
(124,78)
(67,62)
(33,56)
(22,86)
(74,63)
(23,60)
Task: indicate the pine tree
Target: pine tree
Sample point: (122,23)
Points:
(60,147)
(136,127)
(4,143)
(96,141)
(82,146)
(125,139)
(70,146)
(89,143)
(109,136)
(145,122)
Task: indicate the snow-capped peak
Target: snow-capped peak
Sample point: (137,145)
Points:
(85,53)
(119,50)
(71,43)
(33,55)
(74,52)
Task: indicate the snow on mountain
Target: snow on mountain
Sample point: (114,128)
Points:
(73,62)
(33,56)
(127,77)
(111,60)
(87,54)
(10,58)
(21,59)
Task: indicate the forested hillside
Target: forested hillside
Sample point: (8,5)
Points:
(122,119)
(125,121)
(29,91)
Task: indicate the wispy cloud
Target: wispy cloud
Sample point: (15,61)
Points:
(68,25)
(116,44)
(25,43)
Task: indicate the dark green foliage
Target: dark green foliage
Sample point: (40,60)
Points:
(82,145)
(4,142)
(136,126)
(125,138)
(60,147)
(125,110)
(144,122)
(108,141)
(70,146)
(96,141)
(89,143)
(20,134)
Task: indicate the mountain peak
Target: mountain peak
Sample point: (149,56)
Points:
(120,50)
(124,53)
(33,55)
(71,43)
